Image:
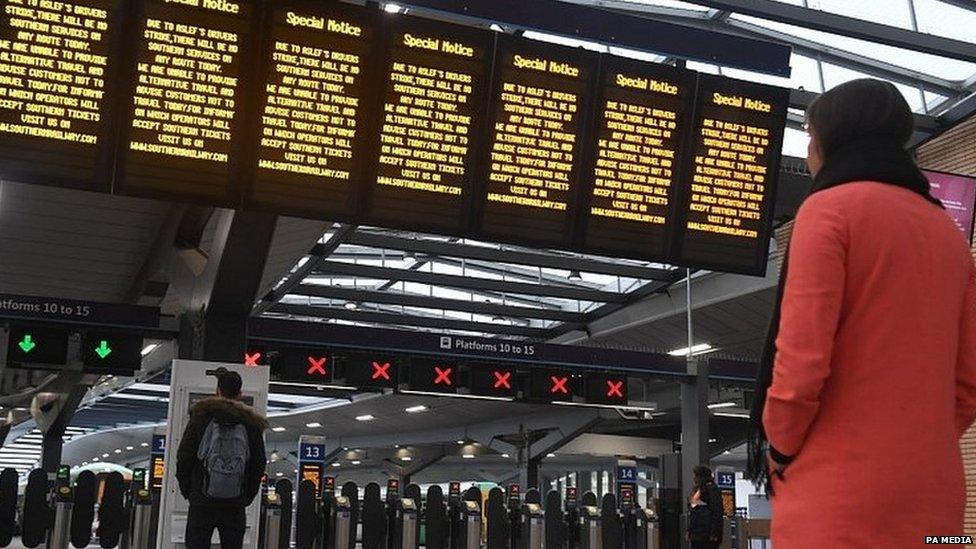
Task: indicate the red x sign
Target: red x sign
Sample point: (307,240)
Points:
(615,389)
(558,384)
(442,376)
(502,380)
(251,359)
(316,365)
(381,370)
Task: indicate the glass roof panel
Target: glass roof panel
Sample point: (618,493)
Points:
(942,19)
(950,69)
(795,143)
(895,13)
(669,4)
(834,75)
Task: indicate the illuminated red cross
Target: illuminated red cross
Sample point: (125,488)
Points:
(252,359)
(559,384)
(615,388)
(316,365)
(381,371)
(502,380)
(442,375)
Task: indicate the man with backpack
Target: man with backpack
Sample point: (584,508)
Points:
(220,463)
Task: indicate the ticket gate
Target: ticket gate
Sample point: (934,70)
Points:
(284,490)
(555,521)
(590,528)
(351,492)
(533,530)
(63,506)
(342,533)
(649,530)
(610,517)
(8,505)
(271,521)
(498,521)
(84,509)
(111,512)
(307,526)
(436,529)
(412,491)
(142,507)
(469,535)
(408,516)
(572,517)
(375,523)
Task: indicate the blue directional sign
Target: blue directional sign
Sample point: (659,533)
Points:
(311,453)
(725,480)
(158,445)
(626,474)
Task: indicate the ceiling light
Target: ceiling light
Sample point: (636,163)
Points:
(145,445)
(506,456)
(149,348)
(712,440)
(722,405)
(296,471)
(84,463)
(575,276)
(460,442)
(365,417)
(496,27)
(351,305)
(698,349)
(467,456)
(118,450)
(406,458)
(550,455)
(95,458)
(392,8)
(278,429)
(337,464)
(355,462)
(415,409)
(313,425)
(130,448)
(104,456)
(731,414)
(279,474)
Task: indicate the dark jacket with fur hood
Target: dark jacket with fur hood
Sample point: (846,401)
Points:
(190,472)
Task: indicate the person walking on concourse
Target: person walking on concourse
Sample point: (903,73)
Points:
(869,376)
(220,463)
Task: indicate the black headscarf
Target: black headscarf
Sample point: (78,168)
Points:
(862,130)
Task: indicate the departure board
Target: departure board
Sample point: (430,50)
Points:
(541,97)
(182,136)
(436,76)
(731,176)
(641,120)
(57,68)
(310,154)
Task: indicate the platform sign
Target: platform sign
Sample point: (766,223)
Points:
(731,178)
(182,132)
(626,474)
(157,462)
(31,347)
(370,370)
(71,311)
(111,352)
(725,480)
(641,125)
(534,155)
(430,124)
(602,388)
(59,64)
(493,380)
(440,376)
(313,109)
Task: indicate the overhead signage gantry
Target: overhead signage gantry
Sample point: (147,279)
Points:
(342,112)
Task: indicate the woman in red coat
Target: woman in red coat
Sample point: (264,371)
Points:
(872,379)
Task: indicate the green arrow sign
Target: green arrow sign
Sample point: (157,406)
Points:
(103,350)
(27,344)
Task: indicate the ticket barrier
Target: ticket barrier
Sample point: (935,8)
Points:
(469,535)
(407,523)
(307,525)
(341,521)
(271,521)
(649,530)
(63,506)
(142,506)
(590,528)
(533,528)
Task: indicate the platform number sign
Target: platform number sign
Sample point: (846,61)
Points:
(626,475)
(158,444)
(311,453)
(725,480)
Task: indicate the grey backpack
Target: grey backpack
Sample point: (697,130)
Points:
(224,451)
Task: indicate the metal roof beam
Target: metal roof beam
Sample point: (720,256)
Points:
(517,257)
(963,4)
(408,320)
(428,302)
(456,281)
(848,26)
(801,99)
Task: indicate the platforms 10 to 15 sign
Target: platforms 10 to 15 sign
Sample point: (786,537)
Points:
(355,115)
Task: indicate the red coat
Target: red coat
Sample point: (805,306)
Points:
(875,374)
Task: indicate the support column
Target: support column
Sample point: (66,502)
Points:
(694,423)
(52,441)
(529,474)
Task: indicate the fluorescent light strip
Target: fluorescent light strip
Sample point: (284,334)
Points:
(365,417)
(718,405)
(609,406)
(732,414)
(698,349)
(415,409)
(470,397)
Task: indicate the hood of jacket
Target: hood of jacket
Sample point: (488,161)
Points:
(229,412)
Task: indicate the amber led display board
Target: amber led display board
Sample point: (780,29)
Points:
(641,121)
(730,178)
(541,98)
(431,116)
(313,109)
(58,75)
(182,131)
